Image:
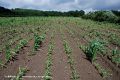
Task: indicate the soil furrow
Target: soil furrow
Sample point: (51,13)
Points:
(85,69)
(36,63)
(20,61)
(61,69)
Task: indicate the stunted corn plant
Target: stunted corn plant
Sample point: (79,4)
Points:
(103,72)
(20,74)
(38,40)
(116,56)
(68,51)
(8,54)
(2,64)
(48,75)
(21,44)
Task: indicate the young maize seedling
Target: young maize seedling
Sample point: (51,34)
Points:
(103,72)
(68,51)
(1,64)
(21,44)
(67,48)
(8,54)
(116,56)
(38,40)
(20,74)
(49,61)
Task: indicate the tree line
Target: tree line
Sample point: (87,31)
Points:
(108,16)
(29,12)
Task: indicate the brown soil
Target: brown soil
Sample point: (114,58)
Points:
(105,63)
(36,63)
(84,68)
(2,55)
(114,70)
(61,69)
(23,59)
(13,66)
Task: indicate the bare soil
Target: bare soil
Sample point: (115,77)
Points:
(84,68)
(61,68)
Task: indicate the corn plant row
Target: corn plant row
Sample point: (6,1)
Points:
(115,53)
(103,72)
(92,56)
(91,51)
(68,51)
(20,74)
(10,42)
(48,75)
(2,64)
(11,53)
(115,57)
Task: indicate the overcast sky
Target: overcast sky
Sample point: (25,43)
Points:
(62,5)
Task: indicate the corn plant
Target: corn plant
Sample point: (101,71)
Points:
(49,62)
(38,40)
(67,48)
(114,39)
(20,74)
(2,64)
(21,44)
(68,51)
(8,54)
(92,50)
(116,56)
(103,72)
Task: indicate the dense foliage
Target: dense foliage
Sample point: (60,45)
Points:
(108,16)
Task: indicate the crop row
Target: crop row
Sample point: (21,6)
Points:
(48,75)
(91,51)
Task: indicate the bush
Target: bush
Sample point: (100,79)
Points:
(102,16)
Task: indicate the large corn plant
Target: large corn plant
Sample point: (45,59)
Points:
(92,50)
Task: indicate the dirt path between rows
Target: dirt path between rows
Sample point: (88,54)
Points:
(36,63)
(85,69)
(60,69)
(20,61)
(103,61)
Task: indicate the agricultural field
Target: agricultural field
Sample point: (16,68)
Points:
(58,48)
